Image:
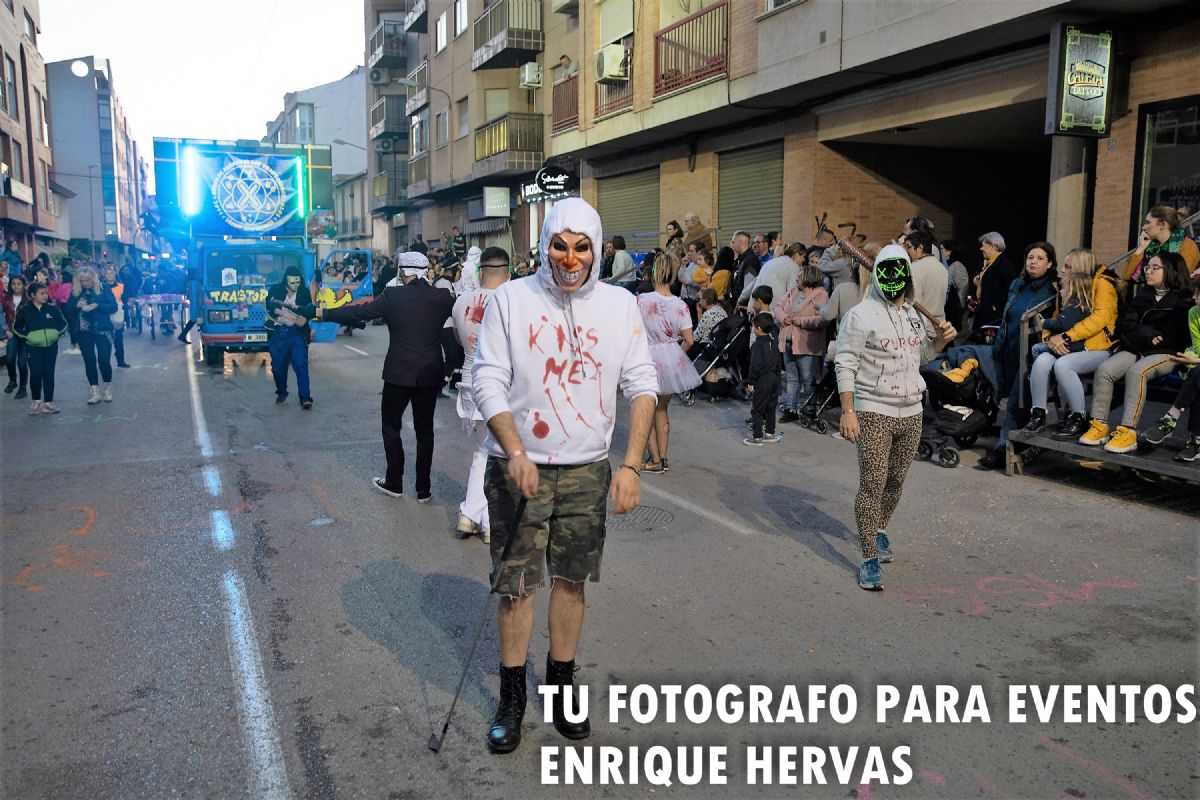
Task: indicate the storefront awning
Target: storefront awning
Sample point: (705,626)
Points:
(495,225)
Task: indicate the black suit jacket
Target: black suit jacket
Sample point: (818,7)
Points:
(415,314)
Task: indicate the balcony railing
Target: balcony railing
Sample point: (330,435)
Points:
(615,96)
(565,104)
(388,117)
(389,190)
(692,50)
(508,34)
(417,19)
(516,132)
(418,174)
(418,96)
(389,48)
(352,226)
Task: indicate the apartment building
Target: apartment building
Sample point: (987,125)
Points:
(97,159)
(27,202)
(477,118)
(767,114)
(351,208)
(389,52)
(333,113)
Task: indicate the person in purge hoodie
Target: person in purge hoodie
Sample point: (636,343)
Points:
(40,324)
(553,350)
(878,363)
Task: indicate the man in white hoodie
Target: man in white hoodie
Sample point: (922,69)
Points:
(553,350)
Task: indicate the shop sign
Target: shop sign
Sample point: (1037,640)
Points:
(554,180)
(1081,82)
(495,201)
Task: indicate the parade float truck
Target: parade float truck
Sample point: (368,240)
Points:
(242,206)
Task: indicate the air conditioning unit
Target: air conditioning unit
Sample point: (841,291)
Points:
(385,145)
(531,76)
(612,63)
(379,77)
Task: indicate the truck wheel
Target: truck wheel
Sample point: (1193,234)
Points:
(214,356)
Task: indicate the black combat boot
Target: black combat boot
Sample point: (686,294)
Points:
(1037,420)
(562,673)
(505,733)
(1076,425)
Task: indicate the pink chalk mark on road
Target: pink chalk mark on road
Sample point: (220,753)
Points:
(934,778)
(863,792)
(1116,780)
(1036,591)
(985,783)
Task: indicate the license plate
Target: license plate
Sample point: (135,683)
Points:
(256,337)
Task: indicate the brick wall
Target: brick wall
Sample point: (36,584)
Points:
(743,38)
(1164,67)
(681,191)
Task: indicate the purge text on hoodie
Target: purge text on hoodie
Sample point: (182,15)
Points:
(555,359)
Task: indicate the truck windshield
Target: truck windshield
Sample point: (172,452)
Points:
(229,269)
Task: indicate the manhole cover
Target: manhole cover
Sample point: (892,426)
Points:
(642,518)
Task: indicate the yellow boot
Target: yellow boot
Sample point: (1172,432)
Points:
(960,373)
(1097,434)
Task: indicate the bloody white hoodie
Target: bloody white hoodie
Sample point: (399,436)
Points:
(555,359)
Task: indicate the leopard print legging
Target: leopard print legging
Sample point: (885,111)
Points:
(886,447)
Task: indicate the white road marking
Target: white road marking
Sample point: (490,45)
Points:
(711,516)
(222,530)
(202,439)
(212,480)
(266,772)
(267,776)
(355,349)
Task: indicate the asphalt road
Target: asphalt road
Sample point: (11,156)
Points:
(260,622)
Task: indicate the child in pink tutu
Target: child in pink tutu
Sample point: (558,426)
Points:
(668,324)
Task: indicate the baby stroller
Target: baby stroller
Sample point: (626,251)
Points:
(961,412)
(726,350)
(818,400)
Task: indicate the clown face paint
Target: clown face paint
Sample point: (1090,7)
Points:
(894,277)
(571,258)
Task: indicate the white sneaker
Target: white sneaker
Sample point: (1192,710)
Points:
(48,408)
(35,407)
(108,392)
(485,536)
(93,395)
(73,350)
(466,526)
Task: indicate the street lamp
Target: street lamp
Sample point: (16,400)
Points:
(92,206)
(350,144)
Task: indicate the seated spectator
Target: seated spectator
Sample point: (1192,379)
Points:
(711,314)
(1162,231)
(1153,327)
(1074,343)
(1188,393)
(1037,283)
(801,337)
(991,285)
(624,271)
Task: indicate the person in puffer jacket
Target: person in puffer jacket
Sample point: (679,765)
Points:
(878,374)
(40,324)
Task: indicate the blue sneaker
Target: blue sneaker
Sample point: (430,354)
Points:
(869,576)
(884,547)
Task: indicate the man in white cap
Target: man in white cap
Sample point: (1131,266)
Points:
(413,370)
(553,350)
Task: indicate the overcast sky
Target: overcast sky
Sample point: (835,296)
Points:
(213,69)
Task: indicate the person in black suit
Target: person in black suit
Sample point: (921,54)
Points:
(413,370)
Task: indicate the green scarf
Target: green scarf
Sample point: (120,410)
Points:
(1171,245)
(1153,248)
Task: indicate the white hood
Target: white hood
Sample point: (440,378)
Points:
(555,359)
(577,216)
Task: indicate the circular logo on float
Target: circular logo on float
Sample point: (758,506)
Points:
(249,195)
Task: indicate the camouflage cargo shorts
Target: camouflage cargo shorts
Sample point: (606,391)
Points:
(562,528)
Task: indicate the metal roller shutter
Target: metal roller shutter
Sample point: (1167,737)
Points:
(750,190)
(629,207)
